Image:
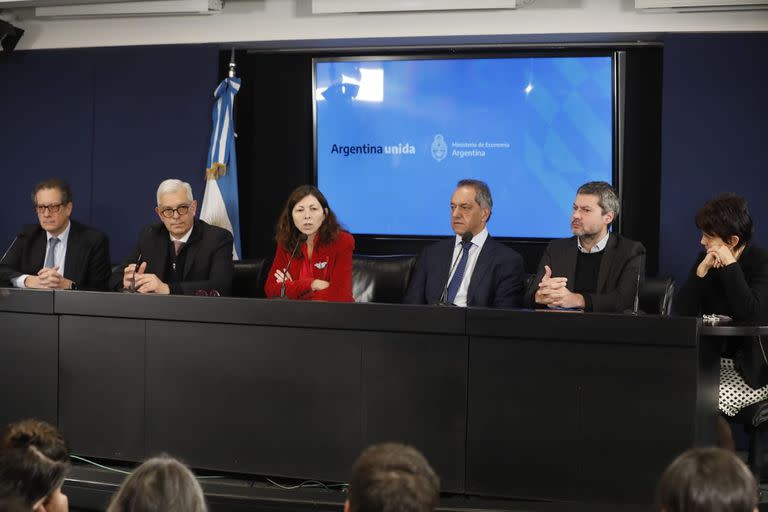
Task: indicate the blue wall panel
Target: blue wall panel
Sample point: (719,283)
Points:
(714,136)
(114,122)
(152,121)
(46,108)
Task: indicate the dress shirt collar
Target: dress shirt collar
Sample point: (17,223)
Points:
(478,240)
(184,238)
(63,236)
(599,246)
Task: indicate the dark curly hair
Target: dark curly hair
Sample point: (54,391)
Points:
(725,216)
(34,459)
(286,232)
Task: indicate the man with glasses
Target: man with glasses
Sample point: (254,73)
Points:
(57,253)
(181,255)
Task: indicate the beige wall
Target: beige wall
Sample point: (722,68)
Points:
(275,20)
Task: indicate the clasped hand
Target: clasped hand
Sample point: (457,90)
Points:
(48,277)
(144,283)
(553,293)
(717,256)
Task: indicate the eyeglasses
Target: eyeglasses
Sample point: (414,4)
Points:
(182,209)
(53,208)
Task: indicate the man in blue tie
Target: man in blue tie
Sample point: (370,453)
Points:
(57,253)
(470,269)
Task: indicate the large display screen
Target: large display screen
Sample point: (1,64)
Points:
(393,136)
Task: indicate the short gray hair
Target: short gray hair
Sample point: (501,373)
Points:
(608,201)
(482,192)
(172,185)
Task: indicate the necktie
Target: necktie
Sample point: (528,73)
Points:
(49,258)
(458,275)
(177,245)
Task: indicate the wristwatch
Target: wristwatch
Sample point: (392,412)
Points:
(73,286)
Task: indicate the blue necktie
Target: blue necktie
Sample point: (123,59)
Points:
(458,276)
(50,257)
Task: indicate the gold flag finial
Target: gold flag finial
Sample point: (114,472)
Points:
(216,171)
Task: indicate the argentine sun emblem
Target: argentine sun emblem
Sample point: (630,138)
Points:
(439,148)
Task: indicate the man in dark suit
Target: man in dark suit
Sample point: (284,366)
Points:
(181,255)
(485,273)
(596,270)
(57,253)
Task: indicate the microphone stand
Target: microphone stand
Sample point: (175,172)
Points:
(132,287)
(301,238)
(15,239)
(636,303)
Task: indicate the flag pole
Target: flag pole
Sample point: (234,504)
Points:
(232,64)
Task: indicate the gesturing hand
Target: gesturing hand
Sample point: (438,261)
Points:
(550,288)
(281,276)
(129,272)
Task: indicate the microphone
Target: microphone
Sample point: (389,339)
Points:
(636,303)
(466,237)
(301,238)
(20,234)
(133,277)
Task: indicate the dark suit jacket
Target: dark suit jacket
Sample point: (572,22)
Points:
(497,280)
(616,279)
(208,259)
(739,291)
(86,261)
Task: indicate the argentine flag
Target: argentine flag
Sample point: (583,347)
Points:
(220,204)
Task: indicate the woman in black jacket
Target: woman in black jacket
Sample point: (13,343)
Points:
(731,278)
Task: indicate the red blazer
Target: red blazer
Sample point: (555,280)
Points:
(330,262)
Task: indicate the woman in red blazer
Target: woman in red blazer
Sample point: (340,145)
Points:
(321,268)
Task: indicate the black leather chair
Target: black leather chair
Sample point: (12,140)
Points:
(655,297)
(249,278)
(381,278)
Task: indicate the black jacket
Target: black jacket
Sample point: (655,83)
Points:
(207,260)
(740,291)
(86,262)
(496,282)
(622,260)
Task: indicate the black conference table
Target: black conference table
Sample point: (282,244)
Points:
(518,404)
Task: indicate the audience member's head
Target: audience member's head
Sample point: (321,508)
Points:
(727,218)
(160,484)
(34,460)
(707,480)
(13,503)
(392,477)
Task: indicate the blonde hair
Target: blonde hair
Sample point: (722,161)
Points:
(160,484)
